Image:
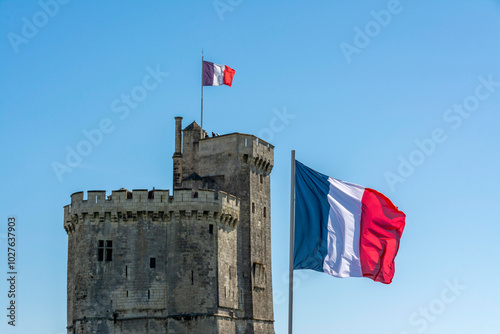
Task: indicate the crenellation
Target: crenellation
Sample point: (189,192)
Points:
(96,196)
(77,197)
(140,195)
(117,207)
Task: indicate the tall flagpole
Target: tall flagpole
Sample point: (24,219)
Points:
(201,134)
(292,241)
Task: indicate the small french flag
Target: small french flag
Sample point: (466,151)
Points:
(217,75)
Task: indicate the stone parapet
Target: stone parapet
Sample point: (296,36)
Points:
(154,205)
(251,149)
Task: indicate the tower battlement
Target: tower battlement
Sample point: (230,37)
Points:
(251,149)
(124,205)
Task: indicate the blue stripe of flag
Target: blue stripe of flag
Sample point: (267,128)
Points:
(311,218)
(208,73)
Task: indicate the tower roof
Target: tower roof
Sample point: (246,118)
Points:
(192,126)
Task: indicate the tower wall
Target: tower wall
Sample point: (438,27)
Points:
(131,293)
(242,164)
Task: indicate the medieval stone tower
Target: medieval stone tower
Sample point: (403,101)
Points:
(197,260)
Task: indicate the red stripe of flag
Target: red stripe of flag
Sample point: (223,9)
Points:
(382,225)
(228,76)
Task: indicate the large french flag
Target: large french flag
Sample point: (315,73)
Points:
(343,229)
(217,75)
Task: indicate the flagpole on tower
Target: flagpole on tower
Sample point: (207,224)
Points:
(292,241)
(201,134)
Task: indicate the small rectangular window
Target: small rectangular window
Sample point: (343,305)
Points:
(108,251)
(264,212)
(109,254)
(261,179)
(100,250)
(152,262)
(253,207)
(211,229)
(259,275)
(104,250)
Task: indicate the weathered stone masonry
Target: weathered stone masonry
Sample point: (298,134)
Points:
(196,261)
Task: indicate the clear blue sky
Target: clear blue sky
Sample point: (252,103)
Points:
(357,105)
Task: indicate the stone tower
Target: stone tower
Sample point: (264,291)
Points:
(194,261)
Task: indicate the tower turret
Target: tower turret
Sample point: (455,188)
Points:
(177,157)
